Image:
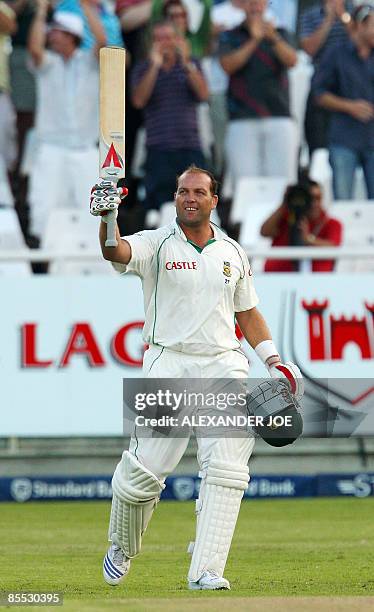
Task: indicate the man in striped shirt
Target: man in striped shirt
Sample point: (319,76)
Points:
(169,86)
(322,26)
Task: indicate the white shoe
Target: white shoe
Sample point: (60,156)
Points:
(209,581)
(115,566)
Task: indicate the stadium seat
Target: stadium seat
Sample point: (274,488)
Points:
(255,191)
(67,231)
(11,238)
(249,236)
(358,223)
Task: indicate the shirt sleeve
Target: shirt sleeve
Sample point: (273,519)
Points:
(245,296)
(143,248)
(334,232)
(308,23)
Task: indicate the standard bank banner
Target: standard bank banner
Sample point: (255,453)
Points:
(67,343)
(184,488)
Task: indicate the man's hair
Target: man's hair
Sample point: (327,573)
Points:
(170,3)
(362,12)
(195,170)
(312,183)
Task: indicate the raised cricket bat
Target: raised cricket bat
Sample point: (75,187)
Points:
(112,122)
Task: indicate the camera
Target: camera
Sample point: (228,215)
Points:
(298,201)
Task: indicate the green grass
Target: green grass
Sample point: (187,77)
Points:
(281,548)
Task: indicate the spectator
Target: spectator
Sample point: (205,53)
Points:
(67,112)
(176,11)
(168,85)
(261,137)
(7,116)
(322,26)
(312,228)
(23,97)
(106,14)
(344,84)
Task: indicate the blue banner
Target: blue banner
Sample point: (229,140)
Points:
(182,488)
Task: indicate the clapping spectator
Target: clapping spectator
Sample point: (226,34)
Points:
(302,220)
(322,26)
(168,86)
(67,81)
(105,13)
(344,84)
(262,137)
(7,115)
(177,13)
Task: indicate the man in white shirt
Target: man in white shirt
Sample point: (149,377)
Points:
(67,115)
(195,280)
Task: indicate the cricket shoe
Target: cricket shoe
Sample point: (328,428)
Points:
(115,566)
(209,581)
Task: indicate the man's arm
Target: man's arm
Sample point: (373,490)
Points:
(270,227)
(94,22)
(8,23)
(37,35)
(253,326)
(133,17)
(197,82)
(235,60)
(285,53)
(312,44)
(362,110)
(143,90)
(121,253)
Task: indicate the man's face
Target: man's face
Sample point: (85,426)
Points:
(193,199)
(178,16)
(59,41)
(316,207)
(366,31)
(164,37)
(253,8)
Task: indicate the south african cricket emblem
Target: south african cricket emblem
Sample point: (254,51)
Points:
(227,268)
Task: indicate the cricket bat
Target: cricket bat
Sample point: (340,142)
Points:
(112,123)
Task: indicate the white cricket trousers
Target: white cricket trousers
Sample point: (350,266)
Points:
(162,455)
(262,147)
(60,178)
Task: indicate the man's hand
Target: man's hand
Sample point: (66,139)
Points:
(257,29)
(270,32)
(361,110)
(290,372)
(155,55)
(335,8)
(105,198)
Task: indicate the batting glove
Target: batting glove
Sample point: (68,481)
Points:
(105,198)
(290,372)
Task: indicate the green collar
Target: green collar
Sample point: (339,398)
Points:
(196,246)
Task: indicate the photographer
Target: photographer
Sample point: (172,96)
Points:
(301,220)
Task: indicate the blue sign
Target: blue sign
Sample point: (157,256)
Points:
(182,488)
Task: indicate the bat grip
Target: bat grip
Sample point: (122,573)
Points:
(111,225)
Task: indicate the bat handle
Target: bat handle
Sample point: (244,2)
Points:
(111,225)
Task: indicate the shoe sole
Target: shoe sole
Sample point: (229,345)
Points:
(198,587)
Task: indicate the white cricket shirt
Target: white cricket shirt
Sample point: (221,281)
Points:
(190,295)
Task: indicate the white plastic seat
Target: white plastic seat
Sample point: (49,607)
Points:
(358,230)
(249,235)
(68,230)
(255,191)
(11,238)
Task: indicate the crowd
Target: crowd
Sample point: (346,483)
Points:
(207,80)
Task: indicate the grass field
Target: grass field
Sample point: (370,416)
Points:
(285,548)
